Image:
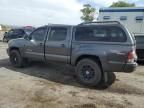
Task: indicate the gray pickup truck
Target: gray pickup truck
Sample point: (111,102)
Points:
(94,49)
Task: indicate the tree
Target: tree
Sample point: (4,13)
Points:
(88,13)
(122,4)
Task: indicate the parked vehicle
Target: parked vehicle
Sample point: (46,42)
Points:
(140,46)
(94,49)
(16,33)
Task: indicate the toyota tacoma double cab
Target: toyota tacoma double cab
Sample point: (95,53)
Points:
(94,49)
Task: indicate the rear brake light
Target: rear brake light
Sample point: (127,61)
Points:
(132,56)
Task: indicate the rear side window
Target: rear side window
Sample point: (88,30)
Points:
(105,34)
(57,34)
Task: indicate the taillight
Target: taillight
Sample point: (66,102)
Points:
(131,56)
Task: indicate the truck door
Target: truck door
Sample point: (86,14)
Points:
(57,45)
(34,48)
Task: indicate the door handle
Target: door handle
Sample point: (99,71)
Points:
(63,45)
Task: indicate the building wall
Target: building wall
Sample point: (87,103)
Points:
(134,26)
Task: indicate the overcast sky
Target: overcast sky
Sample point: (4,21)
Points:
(42,12)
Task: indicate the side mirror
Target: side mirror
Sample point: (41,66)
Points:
(5,33)
(27,37)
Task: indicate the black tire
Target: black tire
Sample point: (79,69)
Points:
(88,72)
(16,59)
(111,77)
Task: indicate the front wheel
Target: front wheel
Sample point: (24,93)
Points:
(16,59)
(88,72)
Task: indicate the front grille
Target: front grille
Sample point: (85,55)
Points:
(140,53)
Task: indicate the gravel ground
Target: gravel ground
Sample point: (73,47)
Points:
(52,86)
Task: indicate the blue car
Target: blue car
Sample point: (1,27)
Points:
(17,33)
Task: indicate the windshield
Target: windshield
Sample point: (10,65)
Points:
(28,31)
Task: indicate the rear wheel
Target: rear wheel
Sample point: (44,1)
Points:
(88,72)
(111,77)
(16,59)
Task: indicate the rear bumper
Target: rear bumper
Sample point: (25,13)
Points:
(130,67)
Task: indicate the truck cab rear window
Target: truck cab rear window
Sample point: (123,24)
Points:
(105,34)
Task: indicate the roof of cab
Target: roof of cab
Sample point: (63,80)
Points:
(85,23)
(58,25)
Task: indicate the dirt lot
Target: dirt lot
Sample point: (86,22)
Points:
(52,86)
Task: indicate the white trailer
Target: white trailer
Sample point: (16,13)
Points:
(131,17)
